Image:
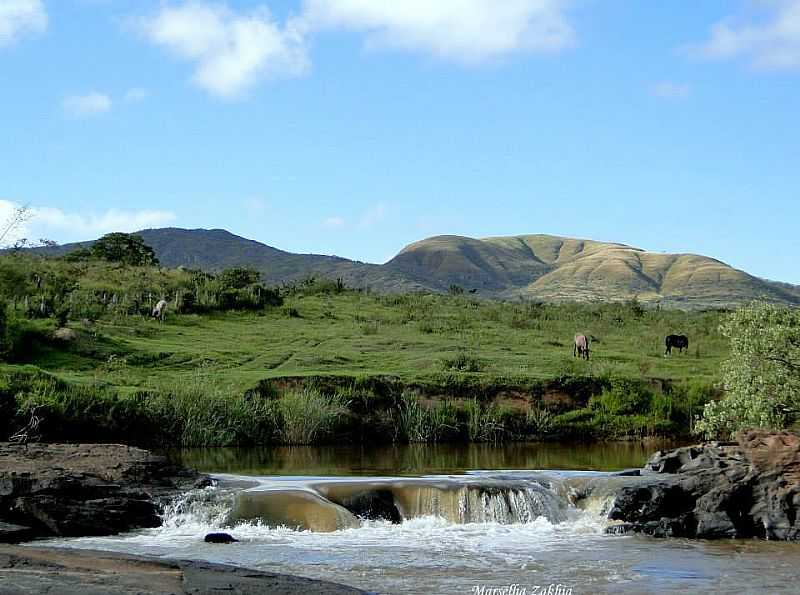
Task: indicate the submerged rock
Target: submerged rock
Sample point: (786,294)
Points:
(748,488)
(72,490)
(373,505)
(220,538)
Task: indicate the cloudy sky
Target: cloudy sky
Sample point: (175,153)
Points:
(353,127)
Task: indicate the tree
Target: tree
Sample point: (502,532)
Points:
(18,217)
(124,248)
(238,278)
(761,376)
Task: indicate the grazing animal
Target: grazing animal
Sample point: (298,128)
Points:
(160,311)
(679,342)
(581,347)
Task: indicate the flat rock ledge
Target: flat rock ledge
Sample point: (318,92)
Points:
(75,490)
(743,489)
(26,570)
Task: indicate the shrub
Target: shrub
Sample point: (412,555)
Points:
(761,376)
(463,362)
(623,397)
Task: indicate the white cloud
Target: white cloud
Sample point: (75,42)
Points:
(670,90)
(54,223)
(84,106)
(772,43)
(234,50)
(136,94)
(231,51)
(372,216)
(461,30)
(334,222)
(21,17)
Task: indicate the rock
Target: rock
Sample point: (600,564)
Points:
(67,571)
(619,529)
(750,488)
(629,473)
(220,538)
(67,335)
(73,490)
(10,533)
(373,505)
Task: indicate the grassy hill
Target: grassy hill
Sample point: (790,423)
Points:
(540,267)
(551,268)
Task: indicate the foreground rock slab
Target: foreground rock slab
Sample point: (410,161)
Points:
(71,490)
(26,570)
(748,488)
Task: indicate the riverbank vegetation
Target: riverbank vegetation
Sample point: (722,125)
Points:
(761,376)
(240,363)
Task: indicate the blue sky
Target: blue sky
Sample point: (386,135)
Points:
(353,127)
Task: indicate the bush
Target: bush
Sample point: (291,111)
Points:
(623,397)
(761,376)
(463,362)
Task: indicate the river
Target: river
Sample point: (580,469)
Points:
(471,519)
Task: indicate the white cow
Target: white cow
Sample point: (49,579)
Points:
(160,311)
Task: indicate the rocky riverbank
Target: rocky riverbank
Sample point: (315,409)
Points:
(72,490)
(25,570)
(743,489)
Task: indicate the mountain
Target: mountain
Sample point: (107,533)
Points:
(552,268)
(540,267)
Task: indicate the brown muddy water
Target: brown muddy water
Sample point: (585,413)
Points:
(468,519)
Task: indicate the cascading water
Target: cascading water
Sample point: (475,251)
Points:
(330,505)
(443,534)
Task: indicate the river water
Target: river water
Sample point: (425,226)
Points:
(470,518)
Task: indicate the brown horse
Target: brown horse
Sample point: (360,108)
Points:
(581,347)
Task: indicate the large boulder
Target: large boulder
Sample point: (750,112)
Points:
(750,488)
(86,489)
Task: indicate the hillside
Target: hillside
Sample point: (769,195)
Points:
(540,267)
(552,268)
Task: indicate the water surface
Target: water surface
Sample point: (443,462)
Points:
(472,517)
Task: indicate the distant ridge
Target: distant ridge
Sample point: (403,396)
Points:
(541,267)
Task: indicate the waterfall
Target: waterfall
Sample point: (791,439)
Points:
(509,505)
(332,505)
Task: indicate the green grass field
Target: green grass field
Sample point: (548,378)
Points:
(348,366)
(415,338)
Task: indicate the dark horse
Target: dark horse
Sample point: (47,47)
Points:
(679,342)
(581,347)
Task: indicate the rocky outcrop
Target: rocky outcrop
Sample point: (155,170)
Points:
(84,489)
(747,488)
(26,570)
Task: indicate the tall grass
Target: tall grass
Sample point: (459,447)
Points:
(484,423)
(426,424)
(308,416)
